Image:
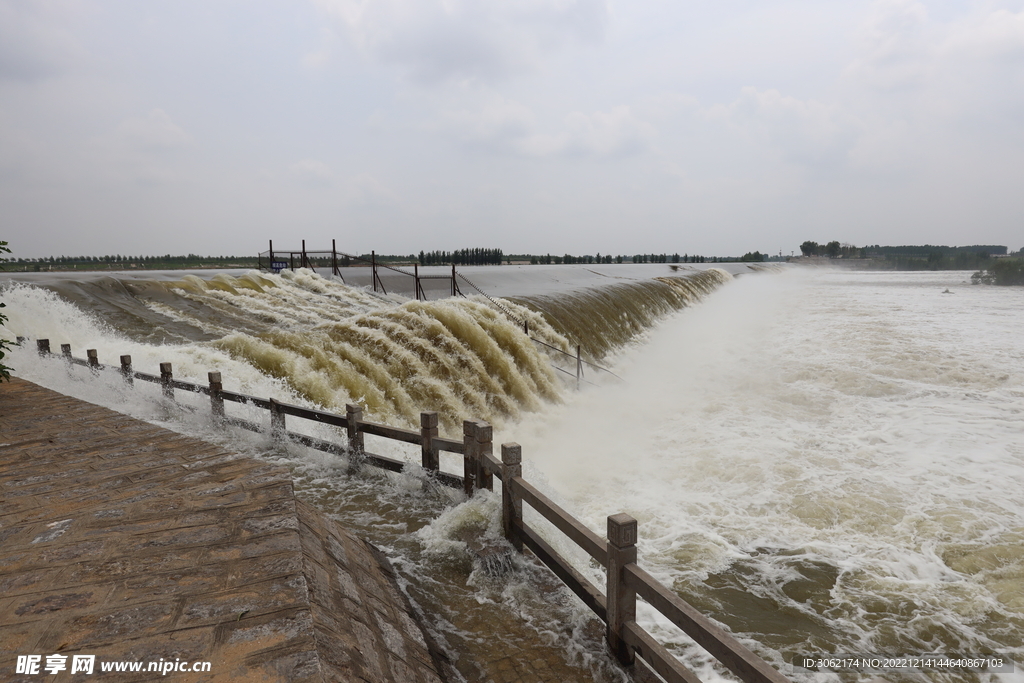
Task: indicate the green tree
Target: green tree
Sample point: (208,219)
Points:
(5,344)
(809,248)
(1008,271)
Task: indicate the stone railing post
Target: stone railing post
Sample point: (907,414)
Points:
(43,346)
(65,350)
(354,415)
(277,422)
(428,432)
(126,370)
(469,457)
(166,376)
(621,600)
(216,398)
(94,359)
(511,504)
(484,447)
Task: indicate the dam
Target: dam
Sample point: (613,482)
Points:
(819,458)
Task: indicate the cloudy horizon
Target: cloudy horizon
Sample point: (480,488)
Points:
(536,126)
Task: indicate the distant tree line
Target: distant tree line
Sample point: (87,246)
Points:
(833,250)
(166,261)
(118,258)
(836,250)
(462,257)
(910,257)
(927,250)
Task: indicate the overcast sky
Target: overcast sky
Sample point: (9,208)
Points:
(557,126)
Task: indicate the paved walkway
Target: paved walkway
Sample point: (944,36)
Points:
(129,542)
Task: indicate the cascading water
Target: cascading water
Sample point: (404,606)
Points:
(607,318)
(301,338)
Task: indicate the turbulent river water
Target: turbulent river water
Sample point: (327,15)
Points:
(827,462)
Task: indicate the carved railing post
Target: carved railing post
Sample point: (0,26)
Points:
(469,456)
(428,432)
(94,359)
(484,447)
(126,370)
(277,422)
(65,350)
(216,398)
(354,415)
(166,376)
(621,601)
(43,346)
(511,504)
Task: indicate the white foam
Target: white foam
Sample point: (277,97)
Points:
(865,421)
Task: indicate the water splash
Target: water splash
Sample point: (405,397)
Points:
(330,344)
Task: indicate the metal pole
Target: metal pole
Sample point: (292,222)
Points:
(373,268)
(334,259)
(416,274)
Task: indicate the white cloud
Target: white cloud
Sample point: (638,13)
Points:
(34,43)
(465,40)
(977,54)
(496,122)
(147,149)
(996,35)
(358,189)
(806,131)
(365,190)
(895,48)
(613,133)
(509,127)
(153,132)
(312,173)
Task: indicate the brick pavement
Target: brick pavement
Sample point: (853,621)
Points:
(131,542)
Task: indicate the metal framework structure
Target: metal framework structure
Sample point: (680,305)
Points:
(278,260)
